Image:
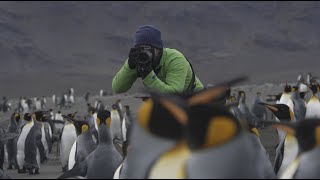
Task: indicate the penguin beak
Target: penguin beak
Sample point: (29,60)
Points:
(74,114)
(269,106)
(70,119)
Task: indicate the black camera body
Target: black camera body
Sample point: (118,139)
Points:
(145,55)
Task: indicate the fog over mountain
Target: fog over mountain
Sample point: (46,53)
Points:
(47,47)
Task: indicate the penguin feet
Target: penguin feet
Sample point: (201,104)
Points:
(44,160)
(20,171)
(36,171)
(30,171)
(9,167)
(64,169)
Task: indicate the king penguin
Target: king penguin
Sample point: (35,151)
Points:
(4,138)
(104,160)
(165,117)
(84,143)
(244,109)
(92,115)
(28,155)
(68,137)
(258,110)
(126,131)
(313,106)
(216,138)
(21,143)
(48,132)
(116,127)
(39,118)
(286,97)
(306,165)
(299,104)
(12,144)
(287,149)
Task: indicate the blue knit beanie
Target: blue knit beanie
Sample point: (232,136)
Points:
(148,34)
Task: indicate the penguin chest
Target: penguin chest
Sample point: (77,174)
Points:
(313,109)
(21,143)
(44,140)
(291,170)
(95,122)
(286,99)
(68,138)
(171,164)
(124,130)
(290,152)
(72,156)
(115,126)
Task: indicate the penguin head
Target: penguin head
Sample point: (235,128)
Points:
(27,117)
(72,115)
(104,117)
(295,88)
(40,116)
(278,97)
(114,107)
(81,126)
(241,96)
(231,100)
(287,88)
(307,132)
(314,88)
(118,101)
(163,115)
(281,111)
(17,117)
(210,124)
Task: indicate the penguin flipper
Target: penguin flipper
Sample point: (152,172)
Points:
(7,136)
(77,170)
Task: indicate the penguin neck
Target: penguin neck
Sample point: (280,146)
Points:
(314,98)
(13,123)
(243,100)
(86,135)
(104,135)
(295,95)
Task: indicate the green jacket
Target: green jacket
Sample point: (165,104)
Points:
(174,76)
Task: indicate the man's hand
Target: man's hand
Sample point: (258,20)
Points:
(132,57)
(144,69)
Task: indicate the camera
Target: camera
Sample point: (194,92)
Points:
(144,55)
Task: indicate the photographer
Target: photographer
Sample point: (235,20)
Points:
(162,69)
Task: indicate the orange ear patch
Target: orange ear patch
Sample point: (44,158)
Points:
(108,121)
(220,130)
(144,113)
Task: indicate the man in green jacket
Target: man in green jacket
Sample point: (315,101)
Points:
(162,69)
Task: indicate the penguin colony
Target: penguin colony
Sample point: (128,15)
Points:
(208,134)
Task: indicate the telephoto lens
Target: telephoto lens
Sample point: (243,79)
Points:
(145,56)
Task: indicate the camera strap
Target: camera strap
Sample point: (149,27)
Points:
(192,84)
